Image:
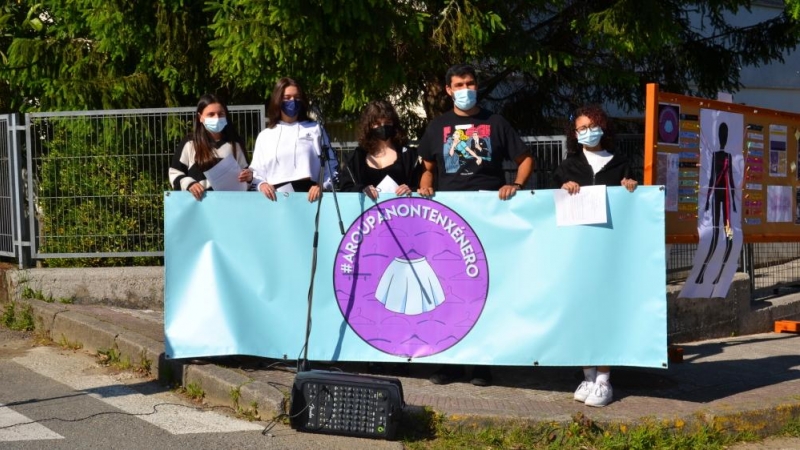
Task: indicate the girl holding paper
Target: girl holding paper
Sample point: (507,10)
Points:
(589,161)
(381,162)
(212,140)
(288,153)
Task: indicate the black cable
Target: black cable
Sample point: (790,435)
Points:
(105,413)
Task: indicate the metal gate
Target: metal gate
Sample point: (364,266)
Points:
(95,179)
(11,203)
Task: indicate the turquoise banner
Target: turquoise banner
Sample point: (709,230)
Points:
(460,278)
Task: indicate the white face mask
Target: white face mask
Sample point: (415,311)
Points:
(215,124)
(590,137)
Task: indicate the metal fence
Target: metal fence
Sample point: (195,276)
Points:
(7,212)
(94,182)
(96,178)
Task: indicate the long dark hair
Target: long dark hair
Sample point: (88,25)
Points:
(276,100)
(203,146)
(598,117)
(372,113)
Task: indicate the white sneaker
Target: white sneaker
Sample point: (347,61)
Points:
(583,391)
(601,395)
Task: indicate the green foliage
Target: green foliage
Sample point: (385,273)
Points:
(28,292)
(145,366)
(110,356)
(90,54)
(18,320)
(793,9)
(580,433)
(9,313)
(792,428)
(194,391)
(72,345)
(97,191)
(537,59)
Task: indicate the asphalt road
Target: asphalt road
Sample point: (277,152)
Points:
(57,398)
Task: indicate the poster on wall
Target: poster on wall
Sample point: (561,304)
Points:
(719,205)
(797,146)
(779,204)
(667,176)
(777,150)
(797,206)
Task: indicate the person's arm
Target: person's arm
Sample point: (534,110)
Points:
(246,175)
(426,179)
(524,169)
(179,171)
(259,167)
(350,178)
(413,167)
(627,180)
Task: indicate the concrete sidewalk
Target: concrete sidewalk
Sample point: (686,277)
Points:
(749,383)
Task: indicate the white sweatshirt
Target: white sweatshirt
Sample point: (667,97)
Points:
(290,152)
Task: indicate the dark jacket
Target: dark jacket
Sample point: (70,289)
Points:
(576,168)
(353,177)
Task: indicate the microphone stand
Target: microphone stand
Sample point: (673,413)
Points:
(325,161)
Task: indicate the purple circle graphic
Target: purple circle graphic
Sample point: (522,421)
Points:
(668,126)
(411,277)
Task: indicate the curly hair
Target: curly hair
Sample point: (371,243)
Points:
(598,117)
(374,112)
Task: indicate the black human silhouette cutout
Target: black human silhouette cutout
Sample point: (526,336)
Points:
(720,186)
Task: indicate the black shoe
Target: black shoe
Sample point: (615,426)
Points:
(447,374)
(481,376)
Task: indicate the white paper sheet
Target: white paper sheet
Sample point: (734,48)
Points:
(225,175)
(587,207)
(387,185)
(285,188)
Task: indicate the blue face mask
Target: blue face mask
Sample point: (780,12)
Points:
(215,124)
(465,99)
(590,137)
(291,107)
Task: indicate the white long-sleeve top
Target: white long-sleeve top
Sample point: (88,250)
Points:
(290,152)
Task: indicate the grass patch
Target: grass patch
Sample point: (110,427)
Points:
(250,413)
(20,319)
(112,357)
(193,391)
(72,345)
(28,292)
(792,428)
(427,430)
(145,366)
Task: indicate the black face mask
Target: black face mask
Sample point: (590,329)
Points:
(384,132)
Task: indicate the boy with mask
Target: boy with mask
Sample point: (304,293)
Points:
(501,142)
(453,166)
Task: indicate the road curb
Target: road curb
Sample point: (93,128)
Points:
(222,386)
(229,387)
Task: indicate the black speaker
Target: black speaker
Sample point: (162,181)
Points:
(347,404)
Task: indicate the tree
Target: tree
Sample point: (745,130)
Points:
(538,59)
(94,54)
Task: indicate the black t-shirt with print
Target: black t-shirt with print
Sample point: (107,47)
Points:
(469,150)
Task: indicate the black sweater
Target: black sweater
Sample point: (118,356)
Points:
(354,177)
(576,168)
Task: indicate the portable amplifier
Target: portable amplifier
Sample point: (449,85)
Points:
(347,404)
